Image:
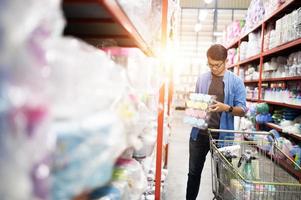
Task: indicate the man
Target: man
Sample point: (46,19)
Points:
(230,101)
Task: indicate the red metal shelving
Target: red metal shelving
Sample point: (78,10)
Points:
(231,66)
(252,100)
(282,47)
(248,60)
(282,79)
(117,13)
(251,81)
(283,104)
(279,128)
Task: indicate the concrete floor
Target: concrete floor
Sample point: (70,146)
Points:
(178,163)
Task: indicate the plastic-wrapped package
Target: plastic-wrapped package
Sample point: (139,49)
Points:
(130,172)
(86,152)
(255,14)
(26,143)
(79,79)
(146,15)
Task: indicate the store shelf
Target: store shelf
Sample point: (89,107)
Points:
(284,47)
(252,100)
(231,66)
(282,104)
(274,126)
(234,44)
(294,78)
(251,81)
(279,128)
(286,7)
(96,21)
(289,5)
(248,60)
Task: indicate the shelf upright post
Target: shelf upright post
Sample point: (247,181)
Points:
(238,56)
(261,61)
(161,108)
(170,95)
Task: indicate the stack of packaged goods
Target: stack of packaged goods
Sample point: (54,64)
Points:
(271,5)
(69,112)
(286,29)
(280,92)
(250,48)
(232,56)
(251,73)
(255,15)
(233,31)
(197,112)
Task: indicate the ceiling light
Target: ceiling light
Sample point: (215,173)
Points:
(203,14)
(217,33)
(197,27)
(208,1)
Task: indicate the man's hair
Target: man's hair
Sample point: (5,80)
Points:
(217,52)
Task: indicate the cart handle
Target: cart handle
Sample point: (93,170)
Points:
(240,132)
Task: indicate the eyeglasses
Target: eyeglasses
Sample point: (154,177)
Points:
(216,65)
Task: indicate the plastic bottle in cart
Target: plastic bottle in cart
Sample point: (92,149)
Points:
(248,170)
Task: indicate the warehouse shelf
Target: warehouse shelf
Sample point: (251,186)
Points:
(279,129)
(111,22)
(96,21)
(231,66)
(289,5)
(293,78)
(251,81)
(252,100)
(248,60)
(283,47)
(295,106)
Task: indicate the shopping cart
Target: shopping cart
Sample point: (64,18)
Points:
(252,170)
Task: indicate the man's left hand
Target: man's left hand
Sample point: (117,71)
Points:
(218,107)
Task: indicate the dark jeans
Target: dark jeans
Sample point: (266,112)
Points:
(197,155)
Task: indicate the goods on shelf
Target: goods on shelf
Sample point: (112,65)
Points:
(290,94)
(271,5)
(255,14)
(251,73)
(250,48)
(68,110)
(252,92)
(26,141)
(146,16)
(286,29)
(233,31)
(232,56)
(198,110)
(283,67)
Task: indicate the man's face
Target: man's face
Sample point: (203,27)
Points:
(217,67)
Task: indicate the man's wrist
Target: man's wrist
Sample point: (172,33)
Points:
(228,108)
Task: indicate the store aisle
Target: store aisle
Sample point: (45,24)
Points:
(178,163)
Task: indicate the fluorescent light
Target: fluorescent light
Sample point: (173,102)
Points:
(217,33)
(203,14)
(208,1)
(197,27)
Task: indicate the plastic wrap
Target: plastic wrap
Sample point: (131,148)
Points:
(85,154)
(197,113)
(146,16)
(76,70)
(26,143)
(131,173)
